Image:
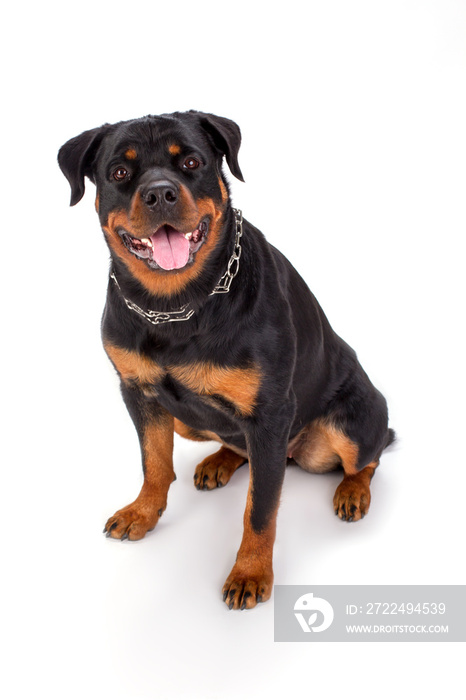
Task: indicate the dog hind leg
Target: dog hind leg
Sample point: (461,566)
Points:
(322,447)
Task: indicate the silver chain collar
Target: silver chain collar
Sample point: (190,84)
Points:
(185,312)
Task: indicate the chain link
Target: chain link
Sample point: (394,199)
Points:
(185,312)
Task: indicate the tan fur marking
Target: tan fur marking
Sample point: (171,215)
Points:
(238,386)
(174,149)
(321,447)
(223,190)
(97,203)
(131,154)
(132,366)
(157,448)
(189,433)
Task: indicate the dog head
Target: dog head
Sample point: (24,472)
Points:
(161,194)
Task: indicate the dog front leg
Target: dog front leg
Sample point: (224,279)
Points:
(155,430)
(251,579)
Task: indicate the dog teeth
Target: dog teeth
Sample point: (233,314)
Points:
(197,234)
(147,242)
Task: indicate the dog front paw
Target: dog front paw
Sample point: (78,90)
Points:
(132,522)
(245,588)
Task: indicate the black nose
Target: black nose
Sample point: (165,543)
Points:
(160,194)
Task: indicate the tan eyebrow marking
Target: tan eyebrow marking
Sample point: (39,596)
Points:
(131,154)
(174,149)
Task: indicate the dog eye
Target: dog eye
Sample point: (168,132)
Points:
(120,174)
(191,163)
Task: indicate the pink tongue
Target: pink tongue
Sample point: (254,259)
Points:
(170,249)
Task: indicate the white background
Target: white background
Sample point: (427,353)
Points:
(354,149)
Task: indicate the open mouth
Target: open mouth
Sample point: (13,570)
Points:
(166,248)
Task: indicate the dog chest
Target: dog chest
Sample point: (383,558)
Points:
(238,386)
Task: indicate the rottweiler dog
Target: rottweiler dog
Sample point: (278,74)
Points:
(215,335)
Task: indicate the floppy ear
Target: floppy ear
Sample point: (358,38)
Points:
(226,135)
(75,159)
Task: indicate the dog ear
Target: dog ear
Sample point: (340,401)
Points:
(76,158)
(226,136)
